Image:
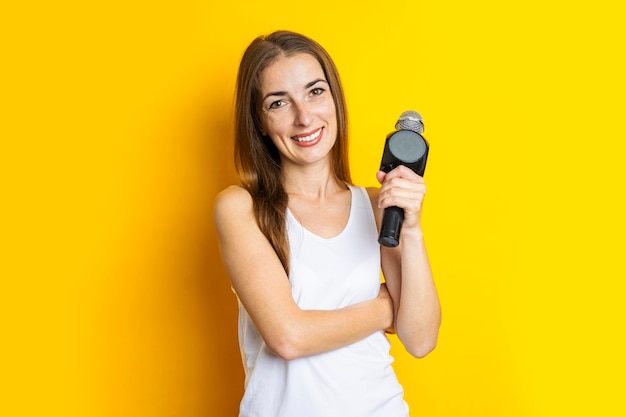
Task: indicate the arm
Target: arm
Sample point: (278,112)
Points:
(263,288)
(417,313)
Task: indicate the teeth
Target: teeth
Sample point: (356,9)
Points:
(310,137)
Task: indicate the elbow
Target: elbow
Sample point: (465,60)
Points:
(419,346)
(420,340)
(421,350)
(288,338)
(285,351)
(285,346)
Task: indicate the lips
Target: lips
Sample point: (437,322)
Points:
(308,139)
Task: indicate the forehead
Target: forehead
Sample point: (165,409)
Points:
(292,71)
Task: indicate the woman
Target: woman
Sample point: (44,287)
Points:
(299,242)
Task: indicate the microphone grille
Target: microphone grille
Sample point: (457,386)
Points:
(410,120)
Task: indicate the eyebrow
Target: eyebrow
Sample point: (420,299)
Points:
(284,93)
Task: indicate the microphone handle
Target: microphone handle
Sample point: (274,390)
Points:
(390,229)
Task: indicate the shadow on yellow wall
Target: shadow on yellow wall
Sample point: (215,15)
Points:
(121,137)
(184,349)
(177,345)
(170,330)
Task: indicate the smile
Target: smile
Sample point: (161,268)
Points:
(308,138)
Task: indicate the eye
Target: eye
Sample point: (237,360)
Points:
(317,91)
(277,104)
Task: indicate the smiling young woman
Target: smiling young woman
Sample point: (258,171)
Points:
(299,242)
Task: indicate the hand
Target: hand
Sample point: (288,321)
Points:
(402,187)
(384,296)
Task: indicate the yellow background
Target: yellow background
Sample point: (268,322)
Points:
(116,130)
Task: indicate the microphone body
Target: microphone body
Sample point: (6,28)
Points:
(405,146)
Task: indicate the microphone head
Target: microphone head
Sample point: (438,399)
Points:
(410,120)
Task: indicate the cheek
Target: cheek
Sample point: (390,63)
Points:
(271,122)
(267,126)
(332,116)
(331,111)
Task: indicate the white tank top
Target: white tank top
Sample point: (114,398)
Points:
(352,381)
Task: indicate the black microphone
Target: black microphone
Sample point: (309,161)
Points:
(406,146)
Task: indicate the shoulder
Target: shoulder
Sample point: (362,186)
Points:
(372,193)
(234,195)
(234,201)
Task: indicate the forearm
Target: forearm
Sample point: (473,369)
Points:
(309,332)
(416,304)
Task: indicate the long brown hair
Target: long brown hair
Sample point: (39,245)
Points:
(256,157)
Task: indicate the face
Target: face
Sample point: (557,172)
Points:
(298,110)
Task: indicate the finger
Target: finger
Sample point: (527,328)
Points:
(401,193)
(402,171)
(397,184)
(380,176)
(411,202)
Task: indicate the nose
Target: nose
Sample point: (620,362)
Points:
(303,115)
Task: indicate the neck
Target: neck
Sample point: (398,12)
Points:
(313,182)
